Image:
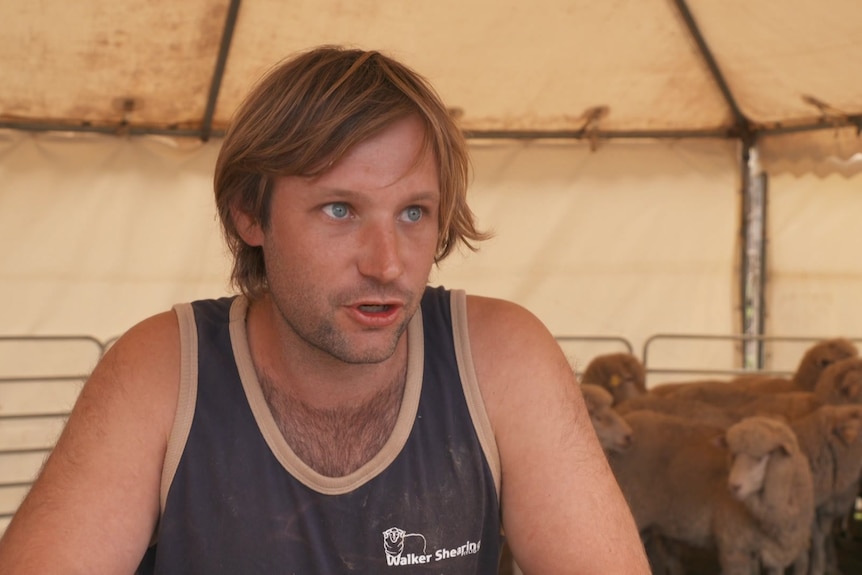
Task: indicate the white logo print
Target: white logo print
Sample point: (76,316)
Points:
(393,545)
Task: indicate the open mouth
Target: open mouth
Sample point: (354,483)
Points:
(370,308)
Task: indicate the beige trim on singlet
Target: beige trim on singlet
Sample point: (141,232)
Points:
(272,434)
(186,400)
(470,383)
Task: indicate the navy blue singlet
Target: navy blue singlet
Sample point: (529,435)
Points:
(237,500)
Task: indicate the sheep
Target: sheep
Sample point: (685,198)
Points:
(612,430)
(840,383)
(669,389)
(657,441)
(622,374)
(786,405)
(812,365)
(716,392)
(815,360)
(702,411)
(831,438)
(771,476)
(677,481)
(825,430)
(722,407)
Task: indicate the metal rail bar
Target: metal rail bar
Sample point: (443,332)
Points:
(737,338)
(42,378)
(597,338)
(25,450)
(35,415)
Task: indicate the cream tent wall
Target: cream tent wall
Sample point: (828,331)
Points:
(633,239)
(110,230)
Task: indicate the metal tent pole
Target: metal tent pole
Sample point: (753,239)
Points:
(753,268)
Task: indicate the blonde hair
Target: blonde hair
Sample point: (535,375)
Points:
(304,116)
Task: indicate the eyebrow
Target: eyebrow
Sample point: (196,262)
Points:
(343,193)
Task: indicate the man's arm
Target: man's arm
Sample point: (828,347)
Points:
(563,511)
(95,505)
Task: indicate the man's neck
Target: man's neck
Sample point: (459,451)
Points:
(335,441)
(335,416)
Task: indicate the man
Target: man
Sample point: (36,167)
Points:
(339,416)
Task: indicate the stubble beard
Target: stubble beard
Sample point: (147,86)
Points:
(324,335)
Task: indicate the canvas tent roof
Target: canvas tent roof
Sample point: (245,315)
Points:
(555,68)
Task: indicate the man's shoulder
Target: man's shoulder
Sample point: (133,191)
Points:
(504,333)
(152,341)
(489,314)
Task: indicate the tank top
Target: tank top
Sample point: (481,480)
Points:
(237,500)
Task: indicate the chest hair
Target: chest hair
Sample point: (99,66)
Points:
(339,440)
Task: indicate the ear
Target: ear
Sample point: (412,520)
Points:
(248,227)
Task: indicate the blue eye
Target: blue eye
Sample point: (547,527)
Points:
(337,210)
(413,214)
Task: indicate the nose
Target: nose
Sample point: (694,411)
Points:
(626,441)
(380,258)
(735,489)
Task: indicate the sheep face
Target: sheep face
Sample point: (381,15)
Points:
(841,382)
(747,473)
(754,444)
(614,433)
(848,425)
(819,357)
(622,374)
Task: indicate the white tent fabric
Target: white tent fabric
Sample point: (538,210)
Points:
(630,240)
(815,278)
(110,229)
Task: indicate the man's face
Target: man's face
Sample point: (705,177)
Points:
(348,253)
